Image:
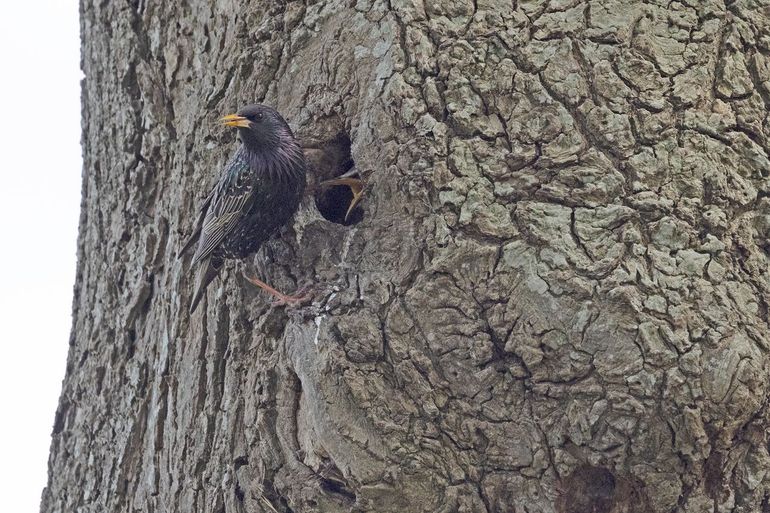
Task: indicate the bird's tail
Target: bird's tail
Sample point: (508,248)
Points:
(208,270)
(191,241)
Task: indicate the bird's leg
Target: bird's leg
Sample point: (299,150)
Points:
(280,298)
(356,187)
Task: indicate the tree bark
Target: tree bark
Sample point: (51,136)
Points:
(555,298)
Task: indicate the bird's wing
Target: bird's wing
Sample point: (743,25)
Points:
(195,235)
(228,205)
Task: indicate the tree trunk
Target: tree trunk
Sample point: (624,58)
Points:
(555,297)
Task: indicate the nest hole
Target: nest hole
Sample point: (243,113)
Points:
(588,489)
(332,159)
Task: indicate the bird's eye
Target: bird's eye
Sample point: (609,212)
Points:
(256,117)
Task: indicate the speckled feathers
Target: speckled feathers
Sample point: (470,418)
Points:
(257,193)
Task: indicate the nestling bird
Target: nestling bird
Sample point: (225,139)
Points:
(332,158)
(258,192)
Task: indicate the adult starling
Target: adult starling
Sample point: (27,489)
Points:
(258,192)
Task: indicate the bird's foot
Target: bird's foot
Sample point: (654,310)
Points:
(356,187)
(298,298)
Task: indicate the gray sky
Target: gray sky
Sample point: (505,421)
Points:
(40,169)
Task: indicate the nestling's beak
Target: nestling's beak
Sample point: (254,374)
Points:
(356,187)
(235,120)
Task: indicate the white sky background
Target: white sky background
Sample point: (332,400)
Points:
(40,171)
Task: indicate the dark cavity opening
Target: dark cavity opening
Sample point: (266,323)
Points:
(333,482)
(335,487)
(588,488)
(330,160)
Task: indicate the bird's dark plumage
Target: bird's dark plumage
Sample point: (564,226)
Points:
(258,192)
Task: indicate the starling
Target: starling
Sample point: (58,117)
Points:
(258,192)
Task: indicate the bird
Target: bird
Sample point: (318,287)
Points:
(258,192)
(332,158)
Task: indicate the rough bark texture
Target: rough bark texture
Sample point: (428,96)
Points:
(556,298)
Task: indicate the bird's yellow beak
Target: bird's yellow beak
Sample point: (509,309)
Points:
(235,120)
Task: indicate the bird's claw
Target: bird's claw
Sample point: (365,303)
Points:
(281,299)
(298,298)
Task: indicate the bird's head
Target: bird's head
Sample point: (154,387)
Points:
(259,126)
